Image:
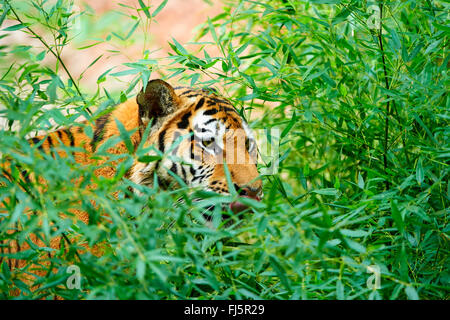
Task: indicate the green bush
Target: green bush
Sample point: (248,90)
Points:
(359,91)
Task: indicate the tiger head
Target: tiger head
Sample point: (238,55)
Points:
(203,139)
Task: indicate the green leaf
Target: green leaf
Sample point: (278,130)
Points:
(327,191)
(289,126)
(341,16)
(132,30)
(5,270)
(140,269)
(396,215)
(15,27)
(148,158)
(230,183)
(160,7)
(179,47)
(6,9)
(144,8)
(355,246)
(40,56)
(102,77)
(252,203)
(354,233)
(279,270)
(442,27)
(125,135)
(339,290)
(411,293)
(419,172)
(361,183)
(414,52)
(194,78)
(422,124)
(249,295)
(212,31)
(125,72)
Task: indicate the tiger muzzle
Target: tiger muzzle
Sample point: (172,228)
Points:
(237,206)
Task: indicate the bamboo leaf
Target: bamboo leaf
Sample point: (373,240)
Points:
(160,7)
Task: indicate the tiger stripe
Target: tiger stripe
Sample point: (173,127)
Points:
(199,114)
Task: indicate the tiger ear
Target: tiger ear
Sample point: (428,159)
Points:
(157,100)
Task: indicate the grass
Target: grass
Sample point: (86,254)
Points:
(362,180)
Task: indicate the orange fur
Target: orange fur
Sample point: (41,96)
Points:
(173,112)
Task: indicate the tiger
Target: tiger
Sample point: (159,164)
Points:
(211,120)
(210,135)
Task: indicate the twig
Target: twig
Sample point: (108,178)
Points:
(57,56)
(386,82)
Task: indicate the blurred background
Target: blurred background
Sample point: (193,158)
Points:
(98,26)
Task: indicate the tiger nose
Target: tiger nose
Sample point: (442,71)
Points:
(248,191)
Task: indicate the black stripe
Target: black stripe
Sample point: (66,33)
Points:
(185,92)
(50,141)
(183,172)
(99,130)
(51,144)
(184,123)
(192,95)
(173,168)
(200,104)
(210,112)
(36,141)
(228,109)
(210,90)
(217,100)
(161,182)
(161,141)
(25,174)
(197,129)
(70,137)
(209,121)
(192,155)
(199,177)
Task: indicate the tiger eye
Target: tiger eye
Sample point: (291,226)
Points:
(208,143)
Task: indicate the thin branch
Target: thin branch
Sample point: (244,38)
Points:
(386,82)
(57,56)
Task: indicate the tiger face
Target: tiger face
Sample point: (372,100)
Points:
(200,138)
(200,135)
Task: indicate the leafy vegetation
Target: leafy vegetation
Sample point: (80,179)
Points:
(359,91)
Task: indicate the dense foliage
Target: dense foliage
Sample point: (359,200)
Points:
(359,92)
